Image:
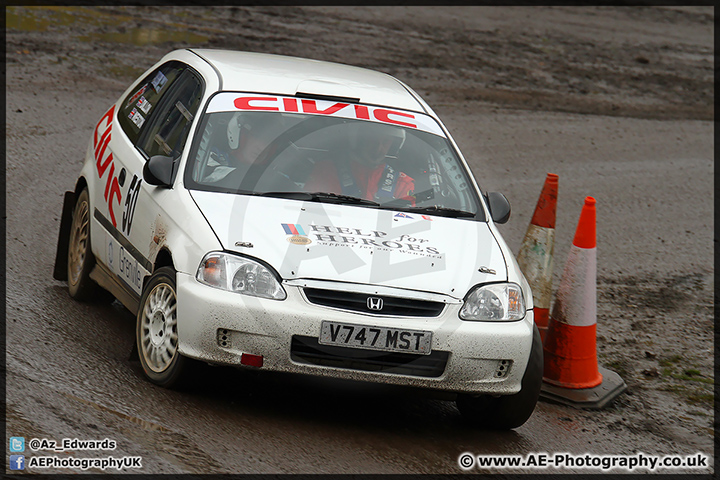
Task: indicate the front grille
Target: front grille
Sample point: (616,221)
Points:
(307,350)
(358,302)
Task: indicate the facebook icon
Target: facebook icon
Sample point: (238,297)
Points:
(17,462)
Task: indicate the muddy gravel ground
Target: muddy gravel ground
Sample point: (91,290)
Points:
(618,101)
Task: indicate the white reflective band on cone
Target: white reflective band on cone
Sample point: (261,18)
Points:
(576,302)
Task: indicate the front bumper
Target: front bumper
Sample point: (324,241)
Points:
(217,326)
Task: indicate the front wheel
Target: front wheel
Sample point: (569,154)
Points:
(156,331)
(508,411)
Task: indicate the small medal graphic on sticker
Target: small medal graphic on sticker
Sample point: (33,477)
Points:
(296,234)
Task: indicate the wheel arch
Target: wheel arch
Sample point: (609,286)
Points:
(80,184)
(163,259)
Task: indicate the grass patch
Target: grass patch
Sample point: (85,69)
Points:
(674,388)
(708,381)
(618,366)
(697,397)
(692,396)
(666,362)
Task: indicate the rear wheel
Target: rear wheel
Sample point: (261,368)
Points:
(80,258)
(156,332)
(508,411)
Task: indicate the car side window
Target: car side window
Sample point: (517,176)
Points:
(141,102)
(170,127)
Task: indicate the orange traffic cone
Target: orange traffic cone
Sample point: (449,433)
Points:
(536,252)
(571,374)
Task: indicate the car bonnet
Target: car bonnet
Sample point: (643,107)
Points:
(343,243)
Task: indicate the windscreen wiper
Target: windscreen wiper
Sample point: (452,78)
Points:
(443,211)
(339,198)
(290,195)
(324,197)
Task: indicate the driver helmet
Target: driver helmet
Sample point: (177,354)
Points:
(233,131)
(262,125)
(369,133)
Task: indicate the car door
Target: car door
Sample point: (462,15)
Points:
(120,194)
(165,134)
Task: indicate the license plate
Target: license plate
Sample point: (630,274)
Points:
(375,338)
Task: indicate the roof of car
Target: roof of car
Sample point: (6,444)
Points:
(283,75)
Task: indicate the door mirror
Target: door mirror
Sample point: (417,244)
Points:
(499,207)
(158,171)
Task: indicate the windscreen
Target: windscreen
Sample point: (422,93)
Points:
(250,144)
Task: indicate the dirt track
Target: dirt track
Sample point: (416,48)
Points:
(617,101)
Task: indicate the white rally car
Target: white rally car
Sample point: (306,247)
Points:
(301,216)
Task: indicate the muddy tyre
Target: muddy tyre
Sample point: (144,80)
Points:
(80,258)
(156,331)
(508,411)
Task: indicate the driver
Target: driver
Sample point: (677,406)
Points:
(364,171)
(247,138)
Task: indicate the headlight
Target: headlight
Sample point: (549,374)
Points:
(240,275)
(495,302)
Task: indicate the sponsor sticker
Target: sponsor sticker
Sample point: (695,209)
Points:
(159,82)
(299,240)
(144,105)
(136,95)
(137,117)
(297,234)
(124,265)
(230,101)
(357,238)
(293,229)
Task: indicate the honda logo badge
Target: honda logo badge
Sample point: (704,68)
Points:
(374,303)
